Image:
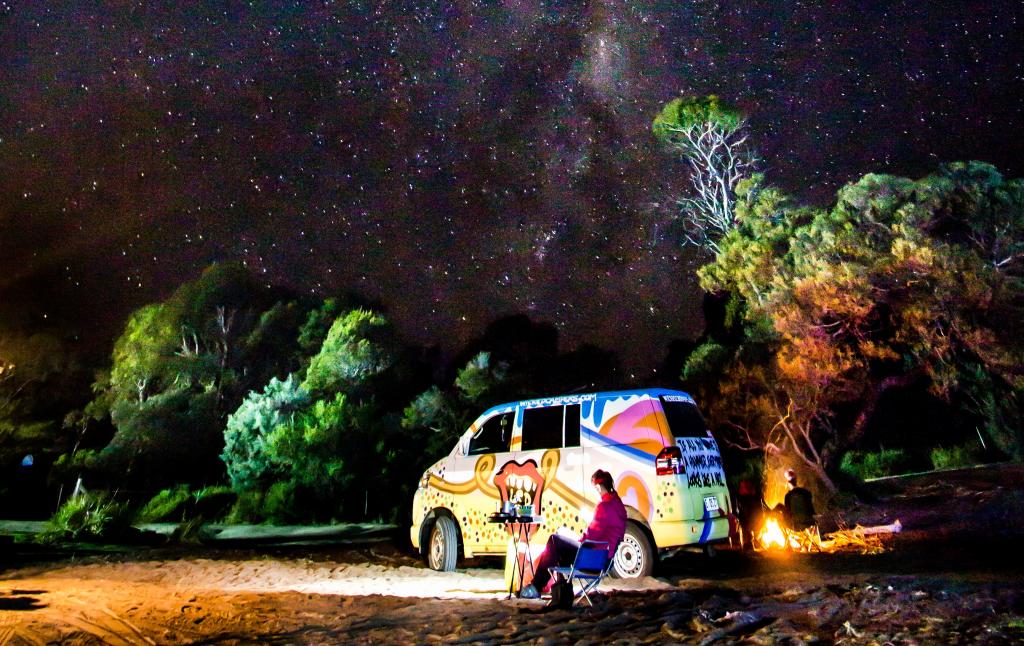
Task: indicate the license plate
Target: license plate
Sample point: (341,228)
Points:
(711,503)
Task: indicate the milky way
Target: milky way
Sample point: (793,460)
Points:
(458,160)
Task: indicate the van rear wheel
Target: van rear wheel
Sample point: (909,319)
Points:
(443,550)
(635,556)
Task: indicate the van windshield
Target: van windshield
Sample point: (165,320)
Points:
(494,436)
(684,420)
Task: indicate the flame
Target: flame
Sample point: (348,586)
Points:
(772,534)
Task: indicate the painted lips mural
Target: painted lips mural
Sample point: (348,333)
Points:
(521,484)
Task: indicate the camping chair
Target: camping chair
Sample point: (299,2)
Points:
(591,565)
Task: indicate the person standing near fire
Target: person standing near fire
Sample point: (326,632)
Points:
(750,507)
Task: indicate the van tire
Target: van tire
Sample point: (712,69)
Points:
(443,548)
(635,556)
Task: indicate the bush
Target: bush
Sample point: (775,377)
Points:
(87,516)
(278,505)
(167,506)
(247,508)
(865,465)
(213,502)
(954,457)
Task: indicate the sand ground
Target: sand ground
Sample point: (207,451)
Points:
(953,576)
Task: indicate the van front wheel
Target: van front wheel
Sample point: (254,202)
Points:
(635,556)
(443,550)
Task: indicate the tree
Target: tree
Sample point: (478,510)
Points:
(888,288)
(439,417)
(711,138)
(318,443)
(173,436)
(197,353)
(247,456)
(358,346)
(39,380)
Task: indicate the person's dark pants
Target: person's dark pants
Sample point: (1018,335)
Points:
(560,551)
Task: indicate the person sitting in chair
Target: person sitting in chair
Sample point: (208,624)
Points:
(609,526)
(798,513)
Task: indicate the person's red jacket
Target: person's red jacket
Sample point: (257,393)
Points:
(609,522)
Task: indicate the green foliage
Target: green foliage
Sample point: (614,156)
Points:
(710,139)
(684,112)
(69,466)
(955,457)
(182,365)
(213,503)
(900,281)
(436,418)
(173,436)
(246,439)
(310,448)
(998,407)
(279,505)
(178,504)
(706,360)
(248,508)
(864,465)
(306,450)
(317,324)
(358,346)
(480,376)
(39,380)
(168,505)
(87,516)
(427,409)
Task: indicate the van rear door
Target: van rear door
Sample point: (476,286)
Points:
(700,456)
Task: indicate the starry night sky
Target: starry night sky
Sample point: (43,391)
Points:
(456,160)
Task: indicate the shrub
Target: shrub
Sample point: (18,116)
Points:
(87,516)
(954,457)
(875,464)
(248,508)
(279,504)
(167,506)
(213,502)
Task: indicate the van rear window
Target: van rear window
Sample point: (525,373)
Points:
(684,419)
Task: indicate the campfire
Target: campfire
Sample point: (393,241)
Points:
(867,540)
(771,535)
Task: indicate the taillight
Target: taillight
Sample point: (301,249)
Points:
(670,461)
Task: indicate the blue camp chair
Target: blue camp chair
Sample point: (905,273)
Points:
(591,565)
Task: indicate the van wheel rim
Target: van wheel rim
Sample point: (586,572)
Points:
(630,557)
(436,549)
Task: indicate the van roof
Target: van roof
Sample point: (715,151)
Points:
(577,398)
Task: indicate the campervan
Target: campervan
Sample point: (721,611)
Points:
(540,453)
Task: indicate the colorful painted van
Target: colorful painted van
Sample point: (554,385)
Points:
(542,452)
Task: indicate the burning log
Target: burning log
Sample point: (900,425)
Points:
(865,539)
(868,540)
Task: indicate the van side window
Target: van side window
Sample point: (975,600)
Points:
(494,436)
(572,425)
(684,420)
(542,428)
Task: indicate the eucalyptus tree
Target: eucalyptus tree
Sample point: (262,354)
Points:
(712,138)
(901,282)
